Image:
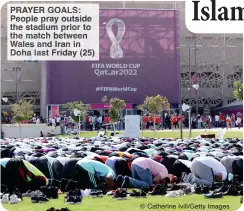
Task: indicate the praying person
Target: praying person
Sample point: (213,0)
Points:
(96,173)
(205,171)
(145,172)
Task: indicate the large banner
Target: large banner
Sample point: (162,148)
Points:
(138,58)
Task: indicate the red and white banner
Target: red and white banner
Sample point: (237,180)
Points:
(54,110)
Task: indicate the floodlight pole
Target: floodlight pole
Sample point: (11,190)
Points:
(180,96)
(189,122)
(79,126)
(141,124)
(189,114)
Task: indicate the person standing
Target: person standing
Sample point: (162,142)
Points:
(53,121)
(158,121)
(194,121)
(174,121)
(99,122)
(106,119)
(222,120)
(38,120)
(167,121)
(62,127)
(90,123)
(238,121)
(144,121)
(216,120)
(209,121)
(87,122)
(151,119)
(182,119)
(228,121)
(34,119)
(233,120)
(204,121)
(58,120)
(199,121)
(94,122)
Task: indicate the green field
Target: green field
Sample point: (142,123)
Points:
(228,203)
(171,134)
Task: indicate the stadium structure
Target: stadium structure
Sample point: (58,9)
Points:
(213,61)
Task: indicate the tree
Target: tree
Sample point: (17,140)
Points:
(156,104)
(141,107)
(238,92)
(79,105)
(22,110)
(116,105)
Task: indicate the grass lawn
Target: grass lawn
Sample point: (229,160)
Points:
(231,203)
(171,134)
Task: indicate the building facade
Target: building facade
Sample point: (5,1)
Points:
(213,61)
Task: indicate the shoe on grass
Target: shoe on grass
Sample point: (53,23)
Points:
(143,194)
(205,189)
(52,192)
(70,200)
(42,199)
(14,199)
(232,191)
(29,193)
(38,193)
(94,194)
(77,199)
(110,193)
(213,195)
(172,194)
(197,189)
(158,190)
(5,199)
(51,209)
(34,198)
(65,209)
(18,194)
(135,194)
(119,194)
(99,193)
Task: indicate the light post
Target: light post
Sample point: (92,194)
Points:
(187,108)
(189,114)
(79,125)
(180,96)
(78,113)
(141,124)
(190,78)
(17,70)
(4,99)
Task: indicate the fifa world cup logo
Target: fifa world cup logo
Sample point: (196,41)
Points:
(115,51)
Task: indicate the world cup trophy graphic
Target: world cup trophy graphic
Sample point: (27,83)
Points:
(116,51)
